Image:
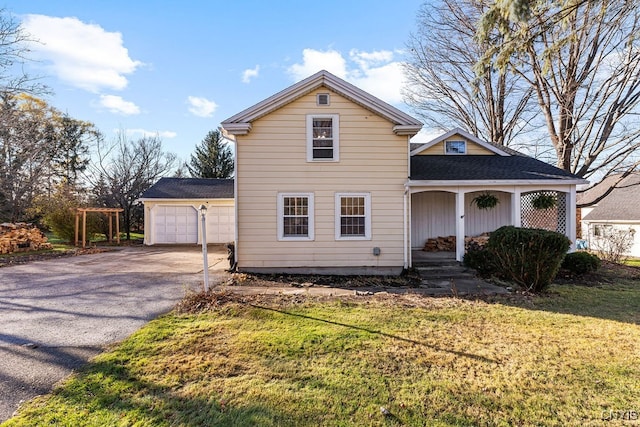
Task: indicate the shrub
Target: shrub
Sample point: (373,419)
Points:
(479,258)
(529,257)
(58,214)
(580,262)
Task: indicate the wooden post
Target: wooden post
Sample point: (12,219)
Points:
(84,228)
(117,228)
(110,238)
(77,225)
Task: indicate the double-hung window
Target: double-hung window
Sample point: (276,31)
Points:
(323,137)
(353,216)
(295,216)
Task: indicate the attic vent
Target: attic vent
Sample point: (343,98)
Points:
(322,99)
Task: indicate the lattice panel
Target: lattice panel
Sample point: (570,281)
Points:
(553,219)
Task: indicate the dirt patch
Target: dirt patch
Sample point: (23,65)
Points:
(406,280)
(223,300)
(608,273)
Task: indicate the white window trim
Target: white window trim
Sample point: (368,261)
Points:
(280,207)
(335,118)
(367,213)
(453,153)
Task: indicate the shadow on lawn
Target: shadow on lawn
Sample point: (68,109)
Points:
(376,332)
(114,393)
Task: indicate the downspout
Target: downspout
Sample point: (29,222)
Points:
(405,222)
(235,201)
(407,211)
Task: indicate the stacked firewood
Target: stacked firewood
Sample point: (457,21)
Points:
(440,244)
(448,243)
(480,240)
(21,237)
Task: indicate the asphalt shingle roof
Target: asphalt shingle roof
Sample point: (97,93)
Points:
(190,188)
(470,167)
(622,204)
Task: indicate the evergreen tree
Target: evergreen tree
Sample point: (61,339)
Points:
(212,158)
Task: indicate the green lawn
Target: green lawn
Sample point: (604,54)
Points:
(633,262)
(568,358)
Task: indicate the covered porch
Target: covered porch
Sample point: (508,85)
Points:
(448,209)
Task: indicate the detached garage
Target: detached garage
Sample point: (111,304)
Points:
(171,214)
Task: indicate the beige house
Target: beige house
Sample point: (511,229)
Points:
(327,181)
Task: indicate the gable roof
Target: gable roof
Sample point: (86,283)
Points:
(190,188)
(622,204)
(501,151)
(474,168)
(240,124)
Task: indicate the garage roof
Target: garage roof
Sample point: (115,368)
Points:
(190,188)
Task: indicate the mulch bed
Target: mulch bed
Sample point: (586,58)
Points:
(411,280)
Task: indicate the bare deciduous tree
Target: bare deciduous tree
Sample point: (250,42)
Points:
(127,168)
(443,87)
(582,59)
(14,50)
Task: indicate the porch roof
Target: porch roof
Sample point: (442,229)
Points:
(487,168)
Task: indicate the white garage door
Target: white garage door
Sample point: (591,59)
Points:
(175,224)
(220,224)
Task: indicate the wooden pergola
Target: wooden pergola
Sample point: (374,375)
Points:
(110,212)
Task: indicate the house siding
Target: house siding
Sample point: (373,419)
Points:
(472,148)
(272,159)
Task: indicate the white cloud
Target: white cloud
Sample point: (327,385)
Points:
(82,55)
(201,107)
(375,72)
(250,73)
(316,60)
(149,133)
(386,82)
(117,105)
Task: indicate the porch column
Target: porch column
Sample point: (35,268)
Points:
(516,208)
(459,225)
(570,199)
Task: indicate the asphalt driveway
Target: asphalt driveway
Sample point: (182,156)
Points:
(56,314)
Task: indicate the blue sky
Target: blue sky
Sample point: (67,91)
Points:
(179,68)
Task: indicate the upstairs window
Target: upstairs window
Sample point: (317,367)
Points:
(295,216)
(455,147)
(353,216)
(322,138)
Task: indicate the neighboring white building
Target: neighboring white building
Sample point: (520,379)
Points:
(618,212)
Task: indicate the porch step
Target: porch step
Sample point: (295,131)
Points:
(444,272)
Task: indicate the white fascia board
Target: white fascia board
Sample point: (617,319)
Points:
(484,183)
(241,122)
(236,129)
(186,200)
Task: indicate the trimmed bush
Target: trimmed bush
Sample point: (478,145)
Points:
(480,259)
(528,257)
(580,263)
